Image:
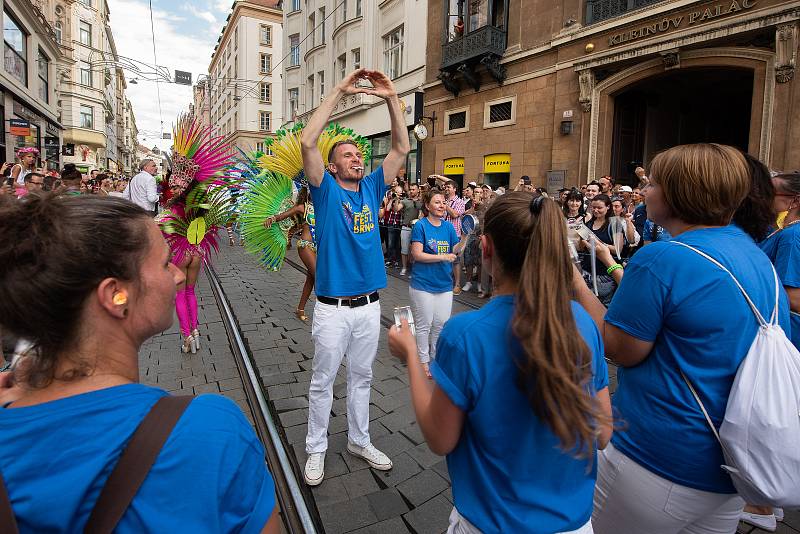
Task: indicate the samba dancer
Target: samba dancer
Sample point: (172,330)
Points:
(200,163)
(303,215)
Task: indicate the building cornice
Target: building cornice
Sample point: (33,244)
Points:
(753,20)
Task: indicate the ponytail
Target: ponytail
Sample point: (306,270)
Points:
(530,239)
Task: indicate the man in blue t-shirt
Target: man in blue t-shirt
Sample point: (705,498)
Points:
(349,270)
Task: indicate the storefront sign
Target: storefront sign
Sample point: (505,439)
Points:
(497,163)
(453,166)
(51,143)
(555,181)
(23,111)
(678,21)
(51,129)
(20,127)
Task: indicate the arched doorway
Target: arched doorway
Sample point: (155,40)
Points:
(700,105)
(734,63)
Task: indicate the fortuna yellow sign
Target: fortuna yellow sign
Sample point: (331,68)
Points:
(453,166)
(497,163)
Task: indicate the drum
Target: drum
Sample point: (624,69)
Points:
(468,223)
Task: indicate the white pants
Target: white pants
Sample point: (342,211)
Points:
(405,240)
(338,331)
(460,525)
(629,499)
(431,311)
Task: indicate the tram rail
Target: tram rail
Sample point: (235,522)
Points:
(295,510)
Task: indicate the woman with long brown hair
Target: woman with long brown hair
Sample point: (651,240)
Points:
(520,410)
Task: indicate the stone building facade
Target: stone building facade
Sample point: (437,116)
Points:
(569,91)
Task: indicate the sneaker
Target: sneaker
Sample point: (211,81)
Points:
(765,522)
(467,286)
(480,290)
(402,272)
(456,290)
(315,468)
(371,455)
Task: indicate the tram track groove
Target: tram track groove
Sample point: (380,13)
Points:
(294,507)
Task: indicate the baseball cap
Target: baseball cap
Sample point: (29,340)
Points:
(625,189)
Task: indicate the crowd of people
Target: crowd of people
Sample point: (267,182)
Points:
(533,439)
(30,173)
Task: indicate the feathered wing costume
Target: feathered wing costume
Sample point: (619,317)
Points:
(199,182)
(273,189)
(202,205)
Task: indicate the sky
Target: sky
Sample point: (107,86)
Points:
(186,32)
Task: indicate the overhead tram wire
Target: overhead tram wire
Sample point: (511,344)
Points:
(329,15)
(155,59)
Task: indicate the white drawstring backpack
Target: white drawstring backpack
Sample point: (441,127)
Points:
(760,433)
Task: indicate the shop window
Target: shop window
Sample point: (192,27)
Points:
(501,112)
(456,120)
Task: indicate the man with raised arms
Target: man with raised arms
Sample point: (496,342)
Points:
(350,270)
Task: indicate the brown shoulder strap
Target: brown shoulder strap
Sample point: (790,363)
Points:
(134,464)
(8,523)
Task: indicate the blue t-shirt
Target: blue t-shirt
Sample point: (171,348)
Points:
(210,475)
(508,471)
(435,277)
(700,323)
(783,249)
(654,232)
(349,254)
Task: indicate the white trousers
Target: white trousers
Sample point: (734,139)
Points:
(405,240)
(460,525)
(431,311)
(629,499)
(338,331)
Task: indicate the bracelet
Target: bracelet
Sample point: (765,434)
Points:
(613,268)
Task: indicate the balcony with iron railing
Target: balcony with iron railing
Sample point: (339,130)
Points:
(476,44)
(599,10)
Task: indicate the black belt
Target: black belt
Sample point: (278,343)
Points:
(350,303)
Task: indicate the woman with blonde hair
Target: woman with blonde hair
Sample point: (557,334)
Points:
(675,313)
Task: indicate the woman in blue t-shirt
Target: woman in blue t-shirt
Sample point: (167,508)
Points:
(434,246)
(520,410)
(676,312)
(86,280)
(783,246)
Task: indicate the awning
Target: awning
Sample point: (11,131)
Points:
(497,163)
(453,166)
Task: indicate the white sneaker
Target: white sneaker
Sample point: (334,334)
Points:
(467,286)
(479,288)
(765,522)
(402,272)
(315,468)
(373,456)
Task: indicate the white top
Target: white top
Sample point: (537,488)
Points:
(142,191)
